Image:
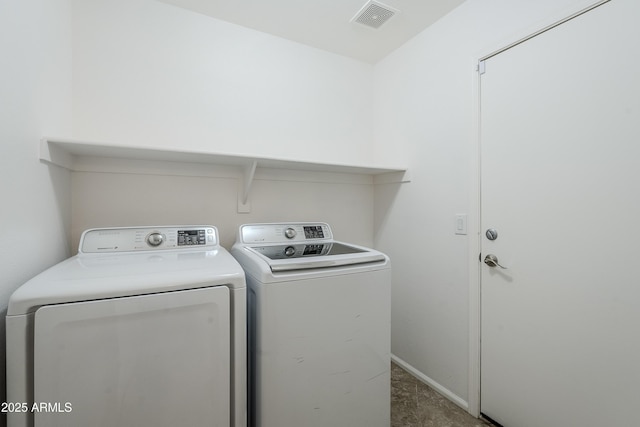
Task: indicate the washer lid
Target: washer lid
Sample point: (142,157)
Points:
(98,276)
(315,255)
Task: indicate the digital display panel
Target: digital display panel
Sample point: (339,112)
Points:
(313,232)
(191,237)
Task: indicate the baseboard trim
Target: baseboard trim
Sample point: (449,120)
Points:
(431,383)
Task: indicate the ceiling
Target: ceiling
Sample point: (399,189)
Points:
(325,24)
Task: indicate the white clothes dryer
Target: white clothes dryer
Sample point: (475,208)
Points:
(145,326)
(319,327)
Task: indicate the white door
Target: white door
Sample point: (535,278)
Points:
(560,183)
(159,360)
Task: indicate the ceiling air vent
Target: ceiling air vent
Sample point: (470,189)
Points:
(373,14)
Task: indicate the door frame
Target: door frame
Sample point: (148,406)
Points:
(475,233)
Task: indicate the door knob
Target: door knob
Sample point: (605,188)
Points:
(492,261)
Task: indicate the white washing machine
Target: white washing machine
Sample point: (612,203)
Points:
(146,326)
(319,328)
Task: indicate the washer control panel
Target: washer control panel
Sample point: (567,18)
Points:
(285,232)
(128,239)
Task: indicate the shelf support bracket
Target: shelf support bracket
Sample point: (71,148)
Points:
(392,178)
(245,182)
(50,153)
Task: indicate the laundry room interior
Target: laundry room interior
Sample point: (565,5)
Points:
(119,113)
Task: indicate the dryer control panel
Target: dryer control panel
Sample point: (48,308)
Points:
(131,239)
(285,232)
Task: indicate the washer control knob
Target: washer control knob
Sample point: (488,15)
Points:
(290,233)
(155,239)
(290,251)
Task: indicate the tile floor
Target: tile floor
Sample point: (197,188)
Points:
(414,404)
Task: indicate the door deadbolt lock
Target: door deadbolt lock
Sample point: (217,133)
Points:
(492,234)
(492,261)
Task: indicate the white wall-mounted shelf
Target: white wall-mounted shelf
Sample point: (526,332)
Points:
(73,154)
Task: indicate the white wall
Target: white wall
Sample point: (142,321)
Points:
(148,73)
(423,115)
(35,94)
(107,199)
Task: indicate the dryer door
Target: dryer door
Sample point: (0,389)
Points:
(152,360)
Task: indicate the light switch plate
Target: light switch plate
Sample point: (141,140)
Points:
(460,224)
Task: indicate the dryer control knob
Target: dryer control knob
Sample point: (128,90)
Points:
(155,239)
(290,233)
